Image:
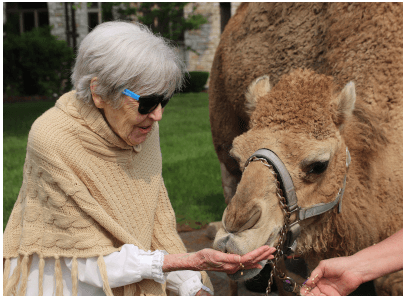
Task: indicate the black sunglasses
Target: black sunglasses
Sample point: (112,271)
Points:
(147,104)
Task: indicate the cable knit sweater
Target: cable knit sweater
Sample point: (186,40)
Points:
(85,193)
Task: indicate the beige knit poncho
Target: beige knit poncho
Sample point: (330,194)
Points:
(85,193)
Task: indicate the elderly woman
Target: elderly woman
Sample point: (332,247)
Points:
(93,216)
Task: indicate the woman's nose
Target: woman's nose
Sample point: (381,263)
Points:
(157,113)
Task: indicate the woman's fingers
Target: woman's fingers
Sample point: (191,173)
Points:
(251,259)
(231,263)
(266,255)
(260,254)
(310,287)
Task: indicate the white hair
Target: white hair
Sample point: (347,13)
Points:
(126,55)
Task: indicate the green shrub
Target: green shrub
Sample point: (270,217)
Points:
(195,81)
(36,63)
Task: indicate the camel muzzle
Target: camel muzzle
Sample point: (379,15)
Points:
(289,205)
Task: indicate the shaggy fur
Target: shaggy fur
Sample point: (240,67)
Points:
(347,51)
(281,110)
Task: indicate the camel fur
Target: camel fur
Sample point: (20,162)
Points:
(308,80)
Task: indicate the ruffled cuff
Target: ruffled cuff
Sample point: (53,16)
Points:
(152,265)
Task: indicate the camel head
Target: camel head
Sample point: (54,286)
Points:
(301,119)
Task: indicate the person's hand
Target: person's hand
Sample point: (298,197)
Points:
(333,277)
(209,259)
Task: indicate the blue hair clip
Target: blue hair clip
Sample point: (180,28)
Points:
(131,94)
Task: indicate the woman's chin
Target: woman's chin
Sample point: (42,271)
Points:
(134,141)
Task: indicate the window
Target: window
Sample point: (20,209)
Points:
(225,13)
(25,16)
(94,14)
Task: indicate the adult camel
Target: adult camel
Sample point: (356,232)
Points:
(320,86)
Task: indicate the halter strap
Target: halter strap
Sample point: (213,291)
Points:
(283,176)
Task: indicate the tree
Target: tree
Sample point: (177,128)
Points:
(164,18)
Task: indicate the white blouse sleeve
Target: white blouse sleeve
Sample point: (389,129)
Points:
(131,265)
(184,282)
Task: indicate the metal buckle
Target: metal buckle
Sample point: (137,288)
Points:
(289,284)
(296,213)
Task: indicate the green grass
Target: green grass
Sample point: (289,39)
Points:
(17,121)
(190,167)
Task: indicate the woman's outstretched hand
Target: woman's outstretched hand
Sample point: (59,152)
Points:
(209,259)
(342,275)
(332,277)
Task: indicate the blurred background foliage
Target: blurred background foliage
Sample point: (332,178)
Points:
(195,81)
(164,18)
(36,63)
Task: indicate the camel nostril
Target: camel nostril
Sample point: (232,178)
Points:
(239,221)
(252,221)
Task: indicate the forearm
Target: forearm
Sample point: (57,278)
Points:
(209,259)
(380,259)
(186,261)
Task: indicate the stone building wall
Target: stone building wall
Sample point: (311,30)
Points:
(200,45)
(235,5)
(56,12)
(4,13)
(81,19)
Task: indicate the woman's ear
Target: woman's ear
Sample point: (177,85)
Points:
(99,103)
(259,87)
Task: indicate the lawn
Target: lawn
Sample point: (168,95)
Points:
(190,167)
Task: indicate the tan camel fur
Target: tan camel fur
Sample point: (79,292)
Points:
(307,80)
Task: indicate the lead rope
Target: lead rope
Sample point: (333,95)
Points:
(289,284)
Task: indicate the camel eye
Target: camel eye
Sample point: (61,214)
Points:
(317,167)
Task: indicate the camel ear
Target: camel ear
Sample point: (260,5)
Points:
(344,105)
(258,88)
